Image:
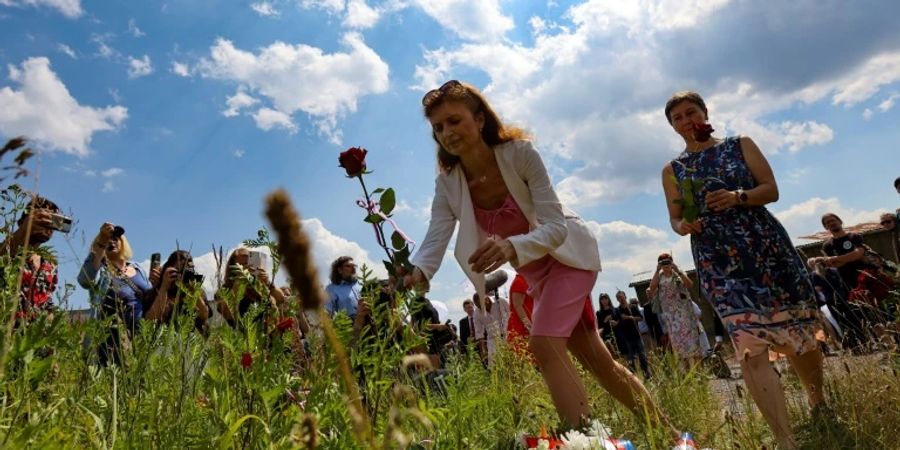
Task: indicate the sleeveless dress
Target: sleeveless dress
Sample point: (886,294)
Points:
(678,313)
(748,269)
(561,293)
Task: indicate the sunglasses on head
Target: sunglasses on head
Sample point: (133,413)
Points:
(434,94)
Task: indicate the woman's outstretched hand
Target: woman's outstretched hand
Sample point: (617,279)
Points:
(491,255)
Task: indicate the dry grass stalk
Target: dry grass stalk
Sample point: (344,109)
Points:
(296,253)
(295,249)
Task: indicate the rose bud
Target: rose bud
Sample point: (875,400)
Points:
(353,160)
(702,132)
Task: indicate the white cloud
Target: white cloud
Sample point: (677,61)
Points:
(108,186)
(238,153)
(360,15)
(331,6)
(475,20)
(139,67)
(180,69)
(804,218)
(800,135)
(134,30)
(327,86)
(868,113)
(104,50)
(796,176)
(888,103)
(866,80)
(67,50)
(69,8)
(267,119)
(43,109)
(237,102)
(112,172)
(265,9)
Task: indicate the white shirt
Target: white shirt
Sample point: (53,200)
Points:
(493,324)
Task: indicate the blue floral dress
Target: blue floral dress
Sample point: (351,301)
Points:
(748,268)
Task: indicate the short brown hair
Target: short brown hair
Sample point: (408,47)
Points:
(493,133)
(685,96)
(827,215)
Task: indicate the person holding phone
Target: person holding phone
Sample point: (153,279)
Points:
(246,277)
(672,289)
(178,284)
(39,273)
(118,288)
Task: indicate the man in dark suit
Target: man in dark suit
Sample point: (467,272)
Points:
(467,326)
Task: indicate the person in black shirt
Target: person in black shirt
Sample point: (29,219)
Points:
(630,335)
(467,326)
(844,250)
(607,319)
(425,318)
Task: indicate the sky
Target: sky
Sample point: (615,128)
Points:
(175,118)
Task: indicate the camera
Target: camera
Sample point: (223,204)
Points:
(665,262)
(60,223)
(192,277)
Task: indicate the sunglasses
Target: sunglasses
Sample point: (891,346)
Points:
(887,222)
(435,94)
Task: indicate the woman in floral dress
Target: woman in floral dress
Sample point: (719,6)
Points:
(670,289)
(748,269)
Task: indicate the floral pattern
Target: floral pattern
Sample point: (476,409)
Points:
(38,285)
(681,322)
(748,268)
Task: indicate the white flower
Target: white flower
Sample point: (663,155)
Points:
(543,444)
(598,430)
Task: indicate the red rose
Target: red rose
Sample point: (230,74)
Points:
(285,324)
(246,360)
(353,160)
(702,132)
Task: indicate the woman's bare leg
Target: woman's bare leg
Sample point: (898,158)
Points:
(561,377)
(765,388)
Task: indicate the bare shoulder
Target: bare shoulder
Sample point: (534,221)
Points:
(667,169)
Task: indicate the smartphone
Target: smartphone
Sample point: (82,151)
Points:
(256,260)
(60,223)
(155,260)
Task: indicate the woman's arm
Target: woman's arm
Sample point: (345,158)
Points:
(766,190)
(440,229)
(552,229)
(518,302)
(161,307)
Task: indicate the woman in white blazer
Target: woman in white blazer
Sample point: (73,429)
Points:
(493,183)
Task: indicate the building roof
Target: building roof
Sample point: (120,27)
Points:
(860,228)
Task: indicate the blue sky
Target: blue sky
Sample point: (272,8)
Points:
(175,118)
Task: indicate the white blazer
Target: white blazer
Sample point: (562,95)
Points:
(555,229)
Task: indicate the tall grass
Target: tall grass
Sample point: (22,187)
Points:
(178,389)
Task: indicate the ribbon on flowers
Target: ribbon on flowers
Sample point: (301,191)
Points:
(372,208)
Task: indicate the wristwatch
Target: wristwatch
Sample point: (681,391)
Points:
(741,196)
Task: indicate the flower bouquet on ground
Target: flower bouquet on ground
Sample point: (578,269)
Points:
(596,436)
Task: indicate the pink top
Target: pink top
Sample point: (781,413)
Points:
(561,293)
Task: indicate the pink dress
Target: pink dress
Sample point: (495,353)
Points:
(562,294)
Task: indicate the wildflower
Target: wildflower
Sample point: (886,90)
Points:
(246,360)
(285,324)
(353,160)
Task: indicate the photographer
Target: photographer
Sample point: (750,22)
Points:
(177,283)
(246,278)
(39,273)
(117,287)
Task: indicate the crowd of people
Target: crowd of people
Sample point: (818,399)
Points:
(494,186)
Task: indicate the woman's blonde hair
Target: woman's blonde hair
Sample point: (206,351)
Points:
(493,133)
